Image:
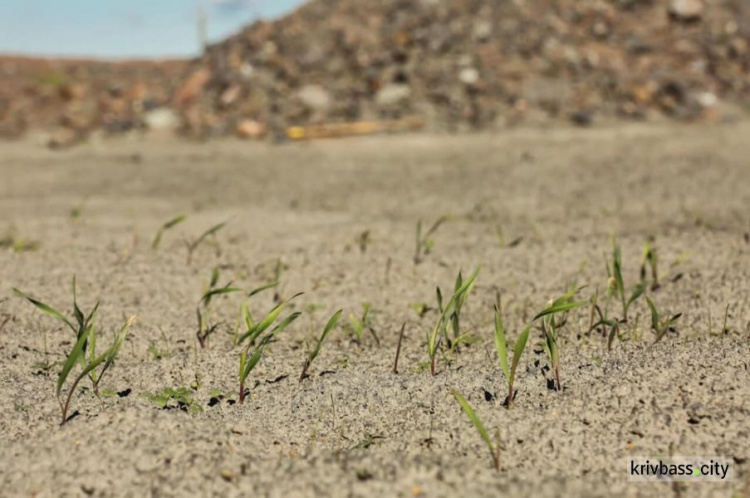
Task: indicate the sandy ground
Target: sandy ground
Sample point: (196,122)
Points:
(354,428)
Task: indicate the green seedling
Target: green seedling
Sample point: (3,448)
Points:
(85,345)
(77,210)
(127,253)
(455,344)
(246,316)
(493,447)
(501,238)
(616,289)
(551,326)
(203,310)
(343,363)
(84,323)
(315,351)
(617,286)
(603,319)
(422,366)
(363,241)
(424,242)
(158,354)
(182,396)
(421,309)
(85,339)
(724,329)
(661,326)
(358,325)
(166,226)
(650,260)
(364,475)
(447,315)
(18,244)
(105,360)
(193,246)
(252,352)
(456,315)
(502,353)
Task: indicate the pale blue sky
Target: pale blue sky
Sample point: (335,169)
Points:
(123,28)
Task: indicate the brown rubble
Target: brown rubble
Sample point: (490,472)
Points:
(454,64)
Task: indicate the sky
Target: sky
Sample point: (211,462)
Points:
(117,29)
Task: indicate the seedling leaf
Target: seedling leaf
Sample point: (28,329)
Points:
(47,309)
(559,308)
(471,414)
(166,226)
(72,359)
(500,344)
(518,350)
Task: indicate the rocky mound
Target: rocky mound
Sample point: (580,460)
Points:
(77,97)
(478,63)
(452,64)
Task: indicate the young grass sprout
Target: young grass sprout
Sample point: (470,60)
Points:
(203,310)
(166,226)
(193,246)
(182,396)
(502,353)
(18,244)
(424,244)
(551,325)
(456,315)
(363,241)
(650,260)
(246,316)
(84,323)
(661,326)
(616,289)
(618,286)
(492,446)
(359,325)
(256,345)
(85,344)
(314,352)
(77,355)
(447,315)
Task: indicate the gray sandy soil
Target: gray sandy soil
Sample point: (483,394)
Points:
(354,428)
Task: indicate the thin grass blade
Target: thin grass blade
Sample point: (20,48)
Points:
(518,350)
(471,414)
(262,288)
(500,344)
(654,314)
(119,341)
(560,308)
(285,323)
(211,231)
(637,292)
(166,226)
(72,359)
(329,326)
(206,298)
(47,309)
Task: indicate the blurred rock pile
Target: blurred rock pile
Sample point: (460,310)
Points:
(458,64)
(71,99)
